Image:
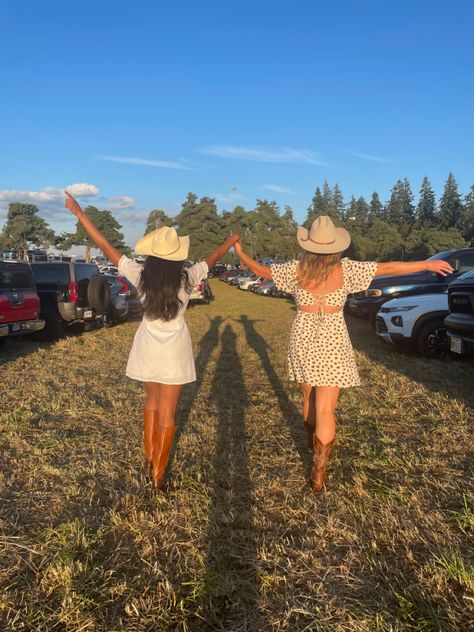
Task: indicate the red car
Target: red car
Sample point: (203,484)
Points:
(19,301)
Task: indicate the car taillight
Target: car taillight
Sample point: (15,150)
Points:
(198,287)
(72,292)
(125,291)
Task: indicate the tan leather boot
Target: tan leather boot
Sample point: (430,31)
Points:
(150,419)
(321,454)
(162,442)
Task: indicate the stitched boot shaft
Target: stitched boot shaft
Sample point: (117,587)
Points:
(321,454)
(150,419)
(162,442)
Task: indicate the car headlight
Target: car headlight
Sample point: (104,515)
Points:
(405,308)
(374,292)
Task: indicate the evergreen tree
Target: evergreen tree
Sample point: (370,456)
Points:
(201,222)
(400,209)
(426,208)
(24,228)
(289,248)
(426,242)
(327,199)
(268,228)
(466,221)
(376,208)
(386,241)
(450,205)
(105,222)
(315,208)
(156,219)
(338,203)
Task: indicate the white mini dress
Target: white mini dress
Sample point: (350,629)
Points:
(162,350)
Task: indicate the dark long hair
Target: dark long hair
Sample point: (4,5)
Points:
(160,282)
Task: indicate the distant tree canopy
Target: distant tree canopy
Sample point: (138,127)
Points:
(105,222)
(400,228)
(23,229)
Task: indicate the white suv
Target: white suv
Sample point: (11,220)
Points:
(415,322)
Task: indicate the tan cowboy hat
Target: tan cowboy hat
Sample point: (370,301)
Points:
(323,237)
(164,243)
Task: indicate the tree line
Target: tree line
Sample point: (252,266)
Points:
(396,229)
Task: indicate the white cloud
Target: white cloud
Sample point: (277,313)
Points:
(165,164)
(357,154)
(83,190)
(121,202)
(276,188)
(264,154)
(48,198)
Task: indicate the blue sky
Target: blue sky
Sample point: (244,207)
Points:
(137,103)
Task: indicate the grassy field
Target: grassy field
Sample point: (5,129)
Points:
(239,543)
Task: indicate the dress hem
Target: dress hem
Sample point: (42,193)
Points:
(161,381)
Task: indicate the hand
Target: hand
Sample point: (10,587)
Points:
(72,204)
(439,266)
(233,238)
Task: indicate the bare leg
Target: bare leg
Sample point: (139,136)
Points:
(167,398)
(324,434)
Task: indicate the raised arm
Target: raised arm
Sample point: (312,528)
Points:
(408,267)
(94,233)
(221,250)
(253,266)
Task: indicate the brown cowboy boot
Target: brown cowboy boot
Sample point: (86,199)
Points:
(162,442)
(321,454)
(150,418)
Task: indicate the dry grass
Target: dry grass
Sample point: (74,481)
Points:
(239,543)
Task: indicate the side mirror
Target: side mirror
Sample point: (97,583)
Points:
(456,264)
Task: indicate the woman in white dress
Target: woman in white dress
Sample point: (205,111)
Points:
(161,354)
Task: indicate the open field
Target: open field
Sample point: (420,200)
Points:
(239,543)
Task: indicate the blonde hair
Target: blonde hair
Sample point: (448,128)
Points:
(315,268)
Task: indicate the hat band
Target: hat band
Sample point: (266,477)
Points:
(320,243)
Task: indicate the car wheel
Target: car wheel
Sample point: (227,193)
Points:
(98,294)
(430,340)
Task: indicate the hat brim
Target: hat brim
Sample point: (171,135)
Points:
(341,243)
(144,246)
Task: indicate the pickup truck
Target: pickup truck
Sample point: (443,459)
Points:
(19,301)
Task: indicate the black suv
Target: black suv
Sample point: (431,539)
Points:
(70,292)
(384,288)
(460,320)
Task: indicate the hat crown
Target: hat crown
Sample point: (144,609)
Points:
(322,230)
(165,241)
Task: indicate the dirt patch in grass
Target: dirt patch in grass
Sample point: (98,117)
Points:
(239,543)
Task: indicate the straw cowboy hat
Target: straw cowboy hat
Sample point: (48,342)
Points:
(323,237)
(164,243)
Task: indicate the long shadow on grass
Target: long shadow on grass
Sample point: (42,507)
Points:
(230,595)
(207,345)
(290,413)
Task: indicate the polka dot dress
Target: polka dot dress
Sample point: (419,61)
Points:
(320,351)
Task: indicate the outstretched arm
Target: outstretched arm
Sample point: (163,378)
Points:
(94,233)
(253,266)
(408,267)
(221,250)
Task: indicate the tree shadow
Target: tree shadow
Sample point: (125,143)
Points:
(231,563)
(292,416)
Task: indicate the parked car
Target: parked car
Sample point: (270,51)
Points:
(460,320)
(415,322)
(247,283)
(108,269)
(228,274)
(124,302)
(264,289)
(19,300)
(217,271)
(70,293)
(384,288)
(202,293)
(242,276)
